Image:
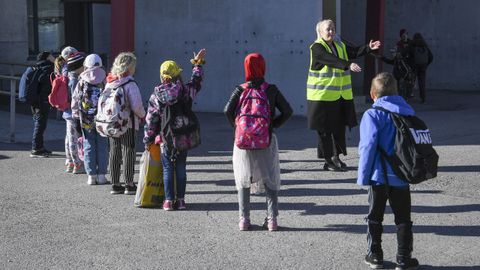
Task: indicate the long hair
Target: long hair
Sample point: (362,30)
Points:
(418,40)
(58,64)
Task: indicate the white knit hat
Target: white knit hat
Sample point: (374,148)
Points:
(67,52)
(92,60)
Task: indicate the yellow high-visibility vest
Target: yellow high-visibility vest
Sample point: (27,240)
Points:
(329,84)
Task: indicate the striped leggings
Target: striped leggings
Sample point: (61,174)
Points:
(122,150)
(71,141)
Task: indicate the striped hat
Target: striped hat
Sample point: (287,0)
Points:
(75,61)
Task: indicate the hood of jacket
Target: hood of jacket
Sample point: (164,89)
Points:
(93,75)
(395,104)
(114,81)
(168,93)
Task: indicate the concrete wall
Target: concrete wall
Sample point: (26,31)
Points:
(451,29)
(281,30)
(13,31)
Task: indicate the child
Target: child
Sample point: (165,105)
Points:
(169,92)
(122,149)
(262,166)
(377,130)
(74,68)
(84,108)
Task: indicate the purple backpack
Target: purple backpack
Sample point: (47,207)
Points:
(252,124)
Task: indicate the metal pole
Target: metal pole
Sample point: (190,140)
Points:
(12,110)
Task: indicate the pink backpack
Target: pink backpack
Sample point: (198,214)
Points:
(252,124)
(58,98)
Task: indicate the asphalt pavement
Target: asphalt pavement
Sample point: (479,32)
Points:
(54,220)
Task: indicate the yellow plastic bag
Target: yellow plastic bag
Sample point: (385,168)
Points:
(150,190)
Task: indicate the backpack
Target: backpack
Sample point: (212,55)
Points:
(414,159)
(113,112)
(180,128)
(88,104)
(58,98)
(252,123)
(420,56)
(32,85)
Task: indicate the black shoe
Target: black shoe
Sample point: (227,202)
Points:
(117,189)
(130,190)
(47,151)
(330,166)
(375,261)
(406,263)
(336,160)
(42,153)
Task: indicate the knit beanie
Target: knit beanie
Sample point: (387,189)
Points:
(43,56)
(67,52)
(169,70)
(92,60)
(75,61)
(402,31)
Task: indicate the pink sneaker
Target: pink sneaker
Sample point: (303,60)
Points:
(244,224)
(271,224)
(167,205)
(181,204)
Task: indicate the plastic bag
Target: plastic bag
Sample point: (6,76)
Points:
(150,190)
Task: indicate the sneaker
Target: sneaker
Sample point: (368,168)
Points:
(92,180)
(375,261)
(244,224)
(101,179)
(117,189)
(47,151)
(271,224)
(181,204)
(78,169)
(39,153)
(406,263)
(167,205)
(69,168)
(330,166)
(130,190)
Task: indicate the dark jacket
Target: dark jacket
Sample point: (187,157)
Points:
(44,86)
(320,56)
(275,99)
(412,48)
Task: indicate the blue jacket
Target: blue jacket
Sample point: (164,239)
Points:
(377,129)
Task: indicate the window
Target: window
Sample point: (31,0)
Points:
(46,27)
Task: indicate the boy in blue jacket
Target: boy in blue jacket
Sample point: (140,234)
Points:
(378,130)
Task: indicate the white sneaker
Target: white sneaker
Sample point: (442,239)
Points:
(101,179)
(92,180)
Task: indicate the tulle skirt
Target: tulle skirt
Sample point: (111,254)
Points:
(256,168)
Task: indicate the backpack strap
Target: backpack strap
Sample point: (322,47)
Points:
(383,155)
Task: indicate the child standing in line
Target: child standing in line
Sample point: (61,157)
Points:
(259,166)
(122,149)
(172,91)
(378,130)
(84,108)
(74,68)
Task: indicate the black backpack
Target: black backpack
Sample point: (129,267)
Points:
(32,85)
(420,55)
(180,128)
(414,159)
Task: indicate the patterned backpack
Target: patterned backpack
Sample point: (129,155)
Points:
(113,112)
(252,124)
(89,104)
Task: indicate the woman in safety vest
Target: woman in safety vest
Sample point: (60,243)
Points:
(329,92)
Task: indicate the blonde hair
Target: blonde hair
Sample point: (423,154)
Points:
(58,64)
(384,84)
(320,25)
(123,62)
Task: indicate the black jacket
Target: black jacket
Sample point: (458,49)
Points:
(320,57)
(275,99)
(44,86)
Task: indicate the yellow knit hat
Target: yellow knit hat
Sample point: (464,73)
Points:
(169,70)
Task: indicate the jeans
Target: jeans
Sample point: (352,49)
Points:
(179,166)
(95,149)
(40,117)
(244,202)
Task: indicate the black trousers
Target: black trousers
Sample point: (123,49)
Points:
(331,143)
(421,79)
(40,117)
(399,199)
